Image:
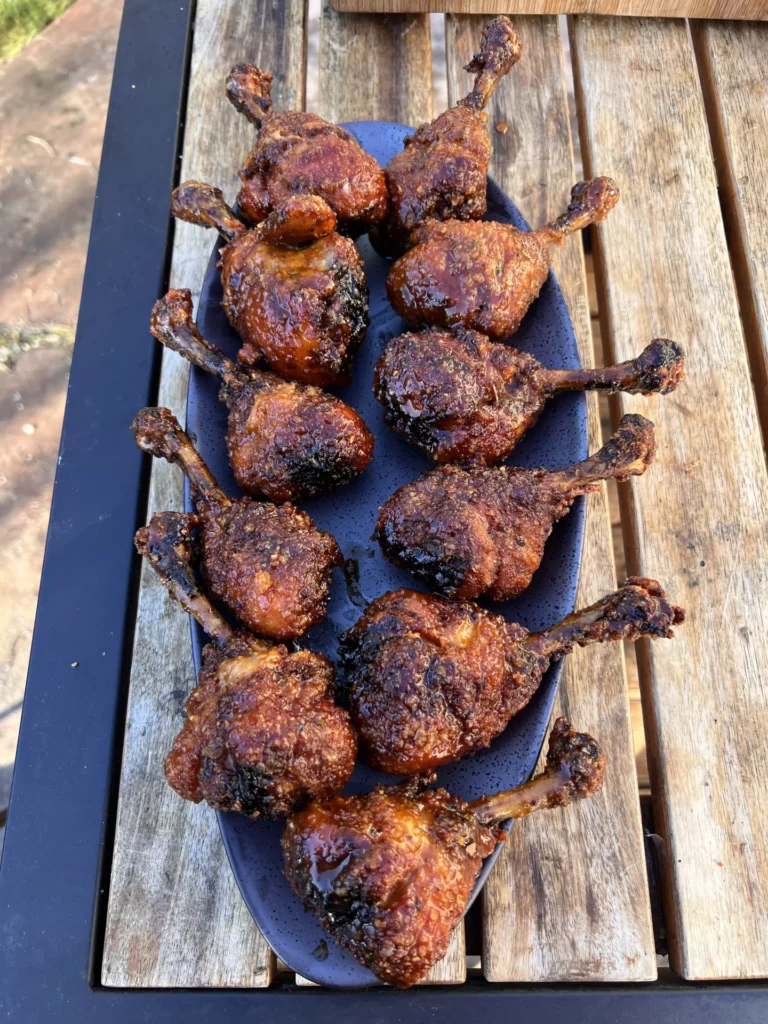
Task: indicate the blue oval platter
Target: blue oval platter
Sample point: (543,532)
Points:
(559,439)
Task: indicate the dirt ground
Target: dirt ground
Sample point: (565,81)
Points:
(53,104)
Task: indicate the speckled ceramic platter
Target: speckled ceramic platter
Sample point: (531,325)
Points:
(558,440)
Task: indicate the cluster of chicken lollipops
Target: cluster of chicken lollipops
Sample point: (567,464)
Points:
(428,679)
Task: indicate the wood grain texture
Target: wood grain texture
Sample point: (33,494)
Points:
(175,916)
(738,9)
(374,68)
(568,898)
(699,518)
(734,77)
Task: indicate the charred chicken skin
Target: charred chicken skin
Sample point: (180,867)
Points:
(441,173)
(294,289)
(484,275)
(389,874)
(268,564)
(286,441)
(262,734)
(461,398)
(301,154)
(430,680)
(482,530)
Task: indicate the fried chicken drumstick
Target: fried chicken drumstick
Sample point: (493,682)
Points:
(430,680)
(482,530)
(294,289)
(389,874)
(441,173)
(268,563)
(286,441)
(301,154)
(262,734)
(484,275)
(462,398)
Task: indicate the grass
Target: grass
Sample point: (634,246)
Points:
(21,20)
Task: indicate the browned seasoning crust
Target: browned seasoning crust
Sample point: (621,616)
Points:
(269,564)
(293,288)
(441,172)
(305,311)
(457,396)
(461,398)
(484,275)
(299,153)
(482,530)
(583,758)
(480,275)
(262,733)
(286,441)
(430,681)
(389,874)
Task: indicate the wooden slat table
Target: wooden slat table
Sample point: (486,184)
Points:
(568,900)
(742,9)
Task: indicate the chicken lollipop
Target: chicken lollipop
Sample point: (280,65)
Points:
(469,532)
(484,275)
(461,398)
(430,681)
(268,563)
(294,289)
(442,171)
(389,874)
(262,734)
(301,154)
(286,441)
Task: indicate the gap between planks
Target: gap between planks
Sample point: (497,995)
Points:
(568,898)
(664,269)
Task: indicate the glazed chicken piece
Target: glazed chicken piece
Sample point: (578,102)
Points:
(484,275)
(441,173)
(294,289)
(389,874)
(269,564)
(430,680)
(301,154)
(286,441)
(482,530)
(461,398)
(262,734)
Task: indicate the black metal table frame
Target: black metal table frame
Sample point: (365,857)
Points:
(54,877)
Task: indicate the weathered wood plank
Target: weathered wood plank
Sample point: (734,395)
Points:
(374,68)
(568,898)
(700,517)
(175,916)
(739,9)
(734,77)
